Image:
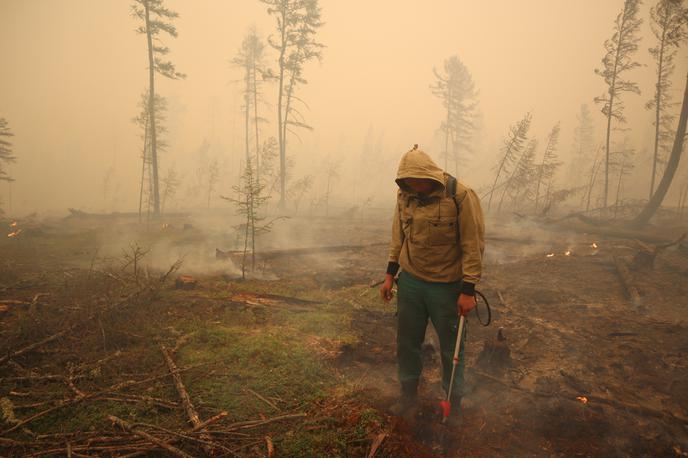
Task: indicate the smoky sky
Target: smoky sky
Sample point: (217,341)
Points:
(74,71)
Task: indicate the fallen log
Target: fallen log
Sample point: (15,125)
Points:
(273,254)
(627,281)
(149,437)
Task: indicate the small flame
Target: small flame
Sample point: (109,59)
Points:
(550,255)
(15,233)
(13,224)
(567,253)
(582,399)
(165,226)
(594,245)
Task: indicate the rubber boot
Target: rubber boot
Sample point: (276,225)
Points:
(407,405)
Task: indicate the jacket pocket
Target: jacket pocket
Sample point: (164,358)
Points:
(442,231)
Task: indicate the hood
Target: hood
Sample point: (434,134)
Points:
(417,164)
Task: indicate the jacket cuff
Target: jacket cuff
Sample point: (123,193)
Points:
(392,268)
(468,288)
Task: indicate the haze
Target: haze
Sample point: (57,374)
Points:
(73,73)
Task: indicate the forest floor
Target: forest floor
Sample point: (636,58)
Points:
(299,360)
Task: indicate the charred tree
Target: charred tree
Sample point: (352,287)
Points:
(617,61)
(297,24)
(672,165)
(155,18)
(668,24)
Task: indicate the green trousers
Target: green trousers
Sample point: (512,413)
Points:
(418,300)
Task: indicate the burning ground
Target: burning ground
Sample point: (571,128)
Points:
(300,360)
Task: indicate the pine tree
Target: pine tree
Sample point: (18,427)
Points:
(618,61)
(249,202)
(156,18)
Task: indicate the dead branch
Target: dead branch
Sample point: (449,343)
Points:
(184,395)
(203,425)
(68,402)
(149,437)
(377,442)
(35,345)
(255,423)
(270,447)
(268,402)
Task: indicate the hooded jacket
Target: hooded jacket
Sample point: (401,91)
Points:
(426,241)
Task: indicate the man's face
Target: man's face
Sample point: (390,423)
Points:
(419,185)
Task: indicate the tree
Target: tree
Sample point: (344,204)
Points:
(331,174)
(143,120)
(592,177)
(615,64)
(249,202)
(6,155)
(456,90)
(297,24)
(512,149)
(519,183)
(250,60)
(583,143)
(156,18)
(299,189)
(213,177)
(672,165)
(170,183)
(623,163)
(668,24)
(547,168)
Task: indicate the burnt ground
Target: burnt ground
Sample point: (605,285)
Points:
(580,370)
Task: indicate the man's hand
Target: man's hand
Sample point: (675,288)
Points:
(465,303)
(386,289)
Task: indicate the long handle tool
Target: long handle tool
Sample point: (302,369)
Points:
(446,404)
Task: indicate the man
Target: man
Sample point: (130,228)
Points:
(438,241)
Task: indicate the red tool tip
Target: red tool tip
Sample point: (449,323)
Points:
(446,407)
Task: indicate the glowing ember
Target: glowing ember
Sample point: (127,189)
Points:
(550,255)
(594,245)
(15,233)
(582,399)
(567,253)
(14,224)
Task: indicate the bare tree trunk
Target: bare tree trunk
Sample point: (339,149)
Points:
(247,108)
(151,114)
(255,119)
(656,200)
(280,121)
(658,107)
(143,166)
